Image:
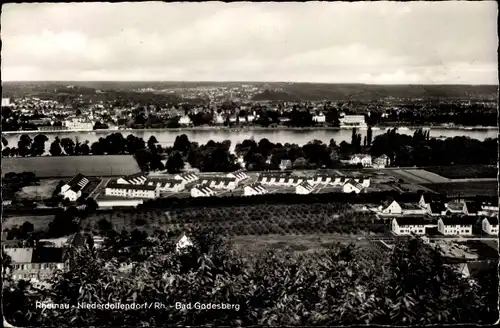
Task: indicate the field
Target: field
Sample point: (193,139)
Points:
(465,171)
(417,176)
(68,166)
(40,222)
(466,189)
(295,243)
(262,219)
(44,190)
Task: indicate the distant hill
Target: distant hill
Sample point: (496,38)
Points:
(287,91)
(365,92)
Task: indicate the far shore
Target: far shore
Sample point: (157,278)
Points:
(253,128)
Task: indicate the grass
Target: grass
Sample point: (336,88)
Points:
(44,190)
(465,171)
(302,243)
(68,166)
(40,222)
(466,189)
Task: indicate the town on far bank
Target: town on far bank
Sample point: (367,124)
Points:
(374,188)
(58,107)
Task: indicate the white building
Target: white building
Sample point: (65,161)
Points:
(490,225)
(436,209)
(280,180)
(456,225)
(322,179)
(186,177)
(6,102)
(239,175)
(78,124)
(398,208)
(202,191)
(365,182)
(171,185)
(185,120)
(352,186)
(304,188)
(73,189)
(410,225)
(363,159)
(182,242)
(350,121)
(135,179)
(381,162)
(254,189)
(131,190)
(218,119)
(320,118)
(219,183)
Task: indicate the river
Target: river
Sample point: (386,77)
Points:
(301,137)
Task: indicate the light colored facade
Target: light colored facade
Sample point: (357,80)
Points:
(26,267)
(280,180)
(304,188)
(135,179)
(411,225)
(363,159)
(119,202)
(73,189)
(185,120)
(202,191)
(454,226)
(186,177)
(254,189)
(490,225)
(219,183)
(352,186)
(240,175)
(132,191)
(381,162)
(350,121)
(320,118)
(79,125)
(166,185)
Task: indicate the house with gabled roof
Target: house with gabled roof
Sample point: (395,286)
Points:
(225,183)
(364,181)
(490,225)
(321,178)
(254,189)
(304,188)
(187,177)
(131,190)
(36,264)
(411,225)
(427,198)
(135,179)
(352,186)
(202,191)
(454,225)
(363,159)
(436,208)
(163,185)
(239,175)
(73,189)
(472,208)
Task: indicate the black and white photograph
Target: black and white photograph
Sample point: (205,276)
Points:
(244,164)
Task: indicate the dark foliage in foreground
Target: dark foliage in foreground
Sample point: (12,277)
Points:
(340,286)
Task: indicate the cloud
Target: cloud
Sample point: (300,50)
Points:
(385,42)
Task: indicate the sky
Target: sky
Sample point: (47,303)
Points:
(363,42)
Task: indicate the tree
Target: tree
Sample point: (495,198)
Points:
(5,143)
(182,143)
(68,145)
(24,145)
(175,163)
(38,145)
(369,136)
(55,147)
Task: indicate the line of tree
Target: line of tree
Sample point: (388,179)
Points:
(342,286)
(418,149)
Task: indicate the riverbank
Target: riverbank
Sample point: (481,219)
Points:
(255,128)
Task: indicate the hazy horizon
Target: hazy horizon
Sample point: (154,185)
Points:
(370,43)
